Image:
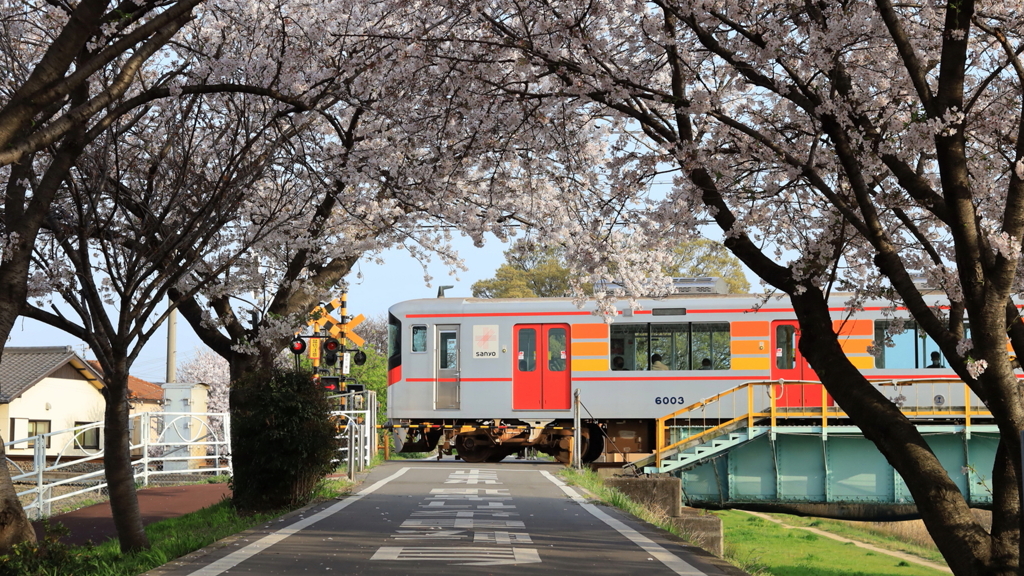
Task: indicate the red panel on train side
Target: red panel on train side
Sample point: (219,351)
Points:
(526,374)
(540,371)
(789,364)
(555,384)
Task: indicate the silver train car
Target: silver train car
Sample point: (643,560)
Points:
(491,377)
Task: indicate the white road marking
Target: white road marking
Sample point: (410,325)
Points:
(670,560)
(502,538)
(235,558)
(463,523)
(455,518)
(430,535)
(476,556)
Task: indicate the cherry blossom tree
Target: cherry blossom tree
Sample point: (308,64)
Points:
(847,146)
(208,368)
(403,149)
(65,65)
(145,206)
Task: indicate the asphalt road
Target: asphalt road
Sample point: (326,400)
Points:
(432,517)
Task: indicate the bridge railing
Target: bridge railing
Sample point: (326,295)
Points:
(757,401)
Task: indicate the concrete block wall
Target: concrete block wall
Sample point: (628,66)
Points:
(665,493)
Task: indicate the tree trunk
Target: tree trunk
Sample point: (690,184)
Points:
(124,501)
(967,547)
(14,525)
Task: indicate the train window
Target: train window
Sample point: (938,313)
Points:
(683,346)
(910,348)
(556,349)
(526,350)
(419,338)
(631,342)
(394,341)
(710,341)
(448,350)
(785,346)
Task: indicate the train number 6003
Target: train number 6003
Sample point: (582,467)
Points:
(668,399)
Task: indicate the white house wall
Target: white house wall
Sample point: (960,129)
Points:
(61,401)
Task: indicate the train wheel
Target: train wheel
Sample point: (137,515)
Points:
(595,444)
(564,454)
(473,451)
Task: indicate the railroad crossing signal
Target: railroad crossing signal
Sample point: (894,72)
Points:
(320,319)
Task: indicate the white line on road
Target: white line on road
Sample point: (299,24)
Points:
(235,558)
(673,562)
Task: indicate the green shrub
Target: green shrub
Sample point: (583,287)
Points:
(48,556)
(283,440)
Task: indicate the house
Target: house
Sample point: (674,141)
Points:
(49,389)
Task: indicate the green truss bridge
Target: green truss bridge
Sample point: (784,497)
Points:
(740,450)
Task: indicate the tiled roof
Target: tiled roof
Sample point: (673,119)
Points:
(137,387)
(22,368)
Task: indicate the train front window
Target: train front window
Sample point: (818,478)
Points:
(419,338)
(394,338)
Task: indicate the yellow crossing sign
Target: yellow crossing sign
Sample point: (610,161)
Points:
(320,319)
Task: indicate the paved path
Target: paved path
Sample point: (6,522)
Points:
(429,518)
(893,553)
(94,523)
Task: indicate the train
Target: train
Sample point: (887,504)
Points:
(489,378)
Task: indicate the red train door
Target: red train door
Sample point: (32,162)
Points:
(789,364)
(540,372)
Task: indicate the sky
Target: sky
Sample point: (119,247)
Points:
(381,286)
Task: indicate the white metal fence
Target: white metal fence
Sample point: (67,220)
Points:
(166,447)
(357,428)
(171,446)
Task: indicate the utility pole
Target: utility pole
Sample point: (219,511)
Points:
(172,346)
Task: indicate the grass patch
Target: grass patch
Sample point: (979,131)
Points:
(765,548)
(865,532)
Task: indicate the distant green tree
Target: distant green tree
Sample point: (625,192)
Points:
(529,272)
(374,375)
(702,257)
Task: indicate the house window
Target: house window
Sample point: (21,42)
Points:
(36,428)
(87,439)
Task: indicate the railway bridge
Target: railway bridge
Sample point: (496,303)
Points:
(813,460)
